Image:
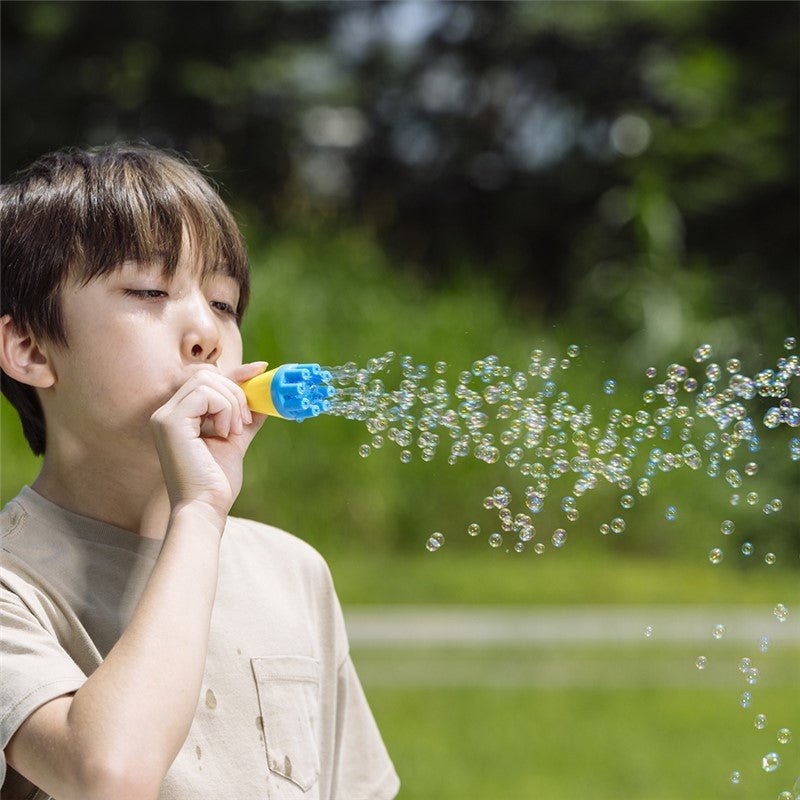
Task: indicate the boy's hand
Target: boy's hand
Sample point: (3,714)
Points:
(202,433)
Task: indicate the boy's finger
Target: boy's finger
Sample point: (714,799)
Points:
(249,370)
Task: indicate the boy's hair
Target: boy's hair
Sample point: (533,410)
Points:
(76,214)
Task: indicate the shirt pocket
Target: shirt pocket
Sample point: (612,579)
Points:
(288,694)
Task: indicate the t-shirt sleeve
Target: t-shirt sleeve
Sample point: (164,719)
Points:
(363,769)
(34,668)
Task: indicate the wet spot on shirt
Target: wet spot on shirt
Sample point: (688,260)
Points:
(260,723)
(287,767)
(211,700)
(198,751)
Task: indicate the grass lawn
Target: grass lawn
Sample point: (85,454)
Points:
(577,576)
(604,742)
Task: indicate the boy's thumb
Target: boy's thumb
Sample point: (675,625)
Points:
(250,370)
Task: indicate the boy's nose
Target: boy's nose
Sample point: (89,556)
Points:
(201,334)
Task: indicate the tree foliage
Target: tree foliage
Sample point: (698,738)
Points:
(573,150)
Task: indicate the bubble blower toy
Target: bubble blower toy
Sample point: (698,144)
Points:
(291,391)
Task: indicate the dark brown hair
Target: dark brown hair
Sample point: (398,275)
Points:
(76,214)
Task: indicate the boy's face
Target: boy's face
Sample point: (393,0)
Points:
(130,353)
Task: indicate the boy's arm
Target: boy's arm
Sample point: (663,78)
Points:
(128,721)
(126,724)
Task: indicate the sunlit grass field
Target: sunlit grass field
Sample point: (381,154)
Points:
(583,572)
(570,721)
(642,743)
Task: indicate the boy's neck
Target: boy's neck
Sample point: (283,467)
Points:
(137,507)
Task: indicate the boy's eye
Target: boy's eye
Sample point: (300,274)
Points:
(153,294)
(144,292)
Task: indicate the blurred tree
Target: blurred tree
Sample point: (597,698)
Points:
(569,148)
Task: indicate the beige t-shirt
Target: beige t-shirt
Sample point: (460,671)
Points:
(281,712)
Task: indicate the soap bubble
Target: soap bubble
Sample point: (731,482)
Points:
(744,700)
(751,676)
(364,450)
(559,537)
(610,386)
(763,644)
(736,777)
(751,468)
(703,353)
(473,529)
(618,525)
(701,662)
(718,632)
(784,736)
(495,539)
(733,477)
(744,664)
(781,612)
(715,555)
(627,501)
(790,342)
(648,631)
(770,762)
(573,351)
(440,367)
(671,513)
(770,559)
(733,365)
(747,549)
(727,527)
(760,722)
(435,542)
(527,533)
(502,497)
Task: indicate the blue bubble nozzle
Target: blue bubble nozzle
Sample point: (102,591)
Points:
(291,391)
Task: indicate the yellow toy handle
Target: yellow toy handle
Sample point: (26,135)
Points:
(257,392)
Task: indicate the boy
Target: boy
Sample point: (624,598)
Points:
(152,645)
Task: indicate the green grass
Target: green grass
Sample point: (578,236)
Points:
(477,574)
(554,666)
(603,745)
(644,742)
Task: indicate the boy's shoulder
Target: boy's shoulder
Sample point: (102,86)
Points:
(258,536)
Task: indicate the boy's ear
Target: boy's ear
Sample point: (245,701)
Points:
(21,358)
